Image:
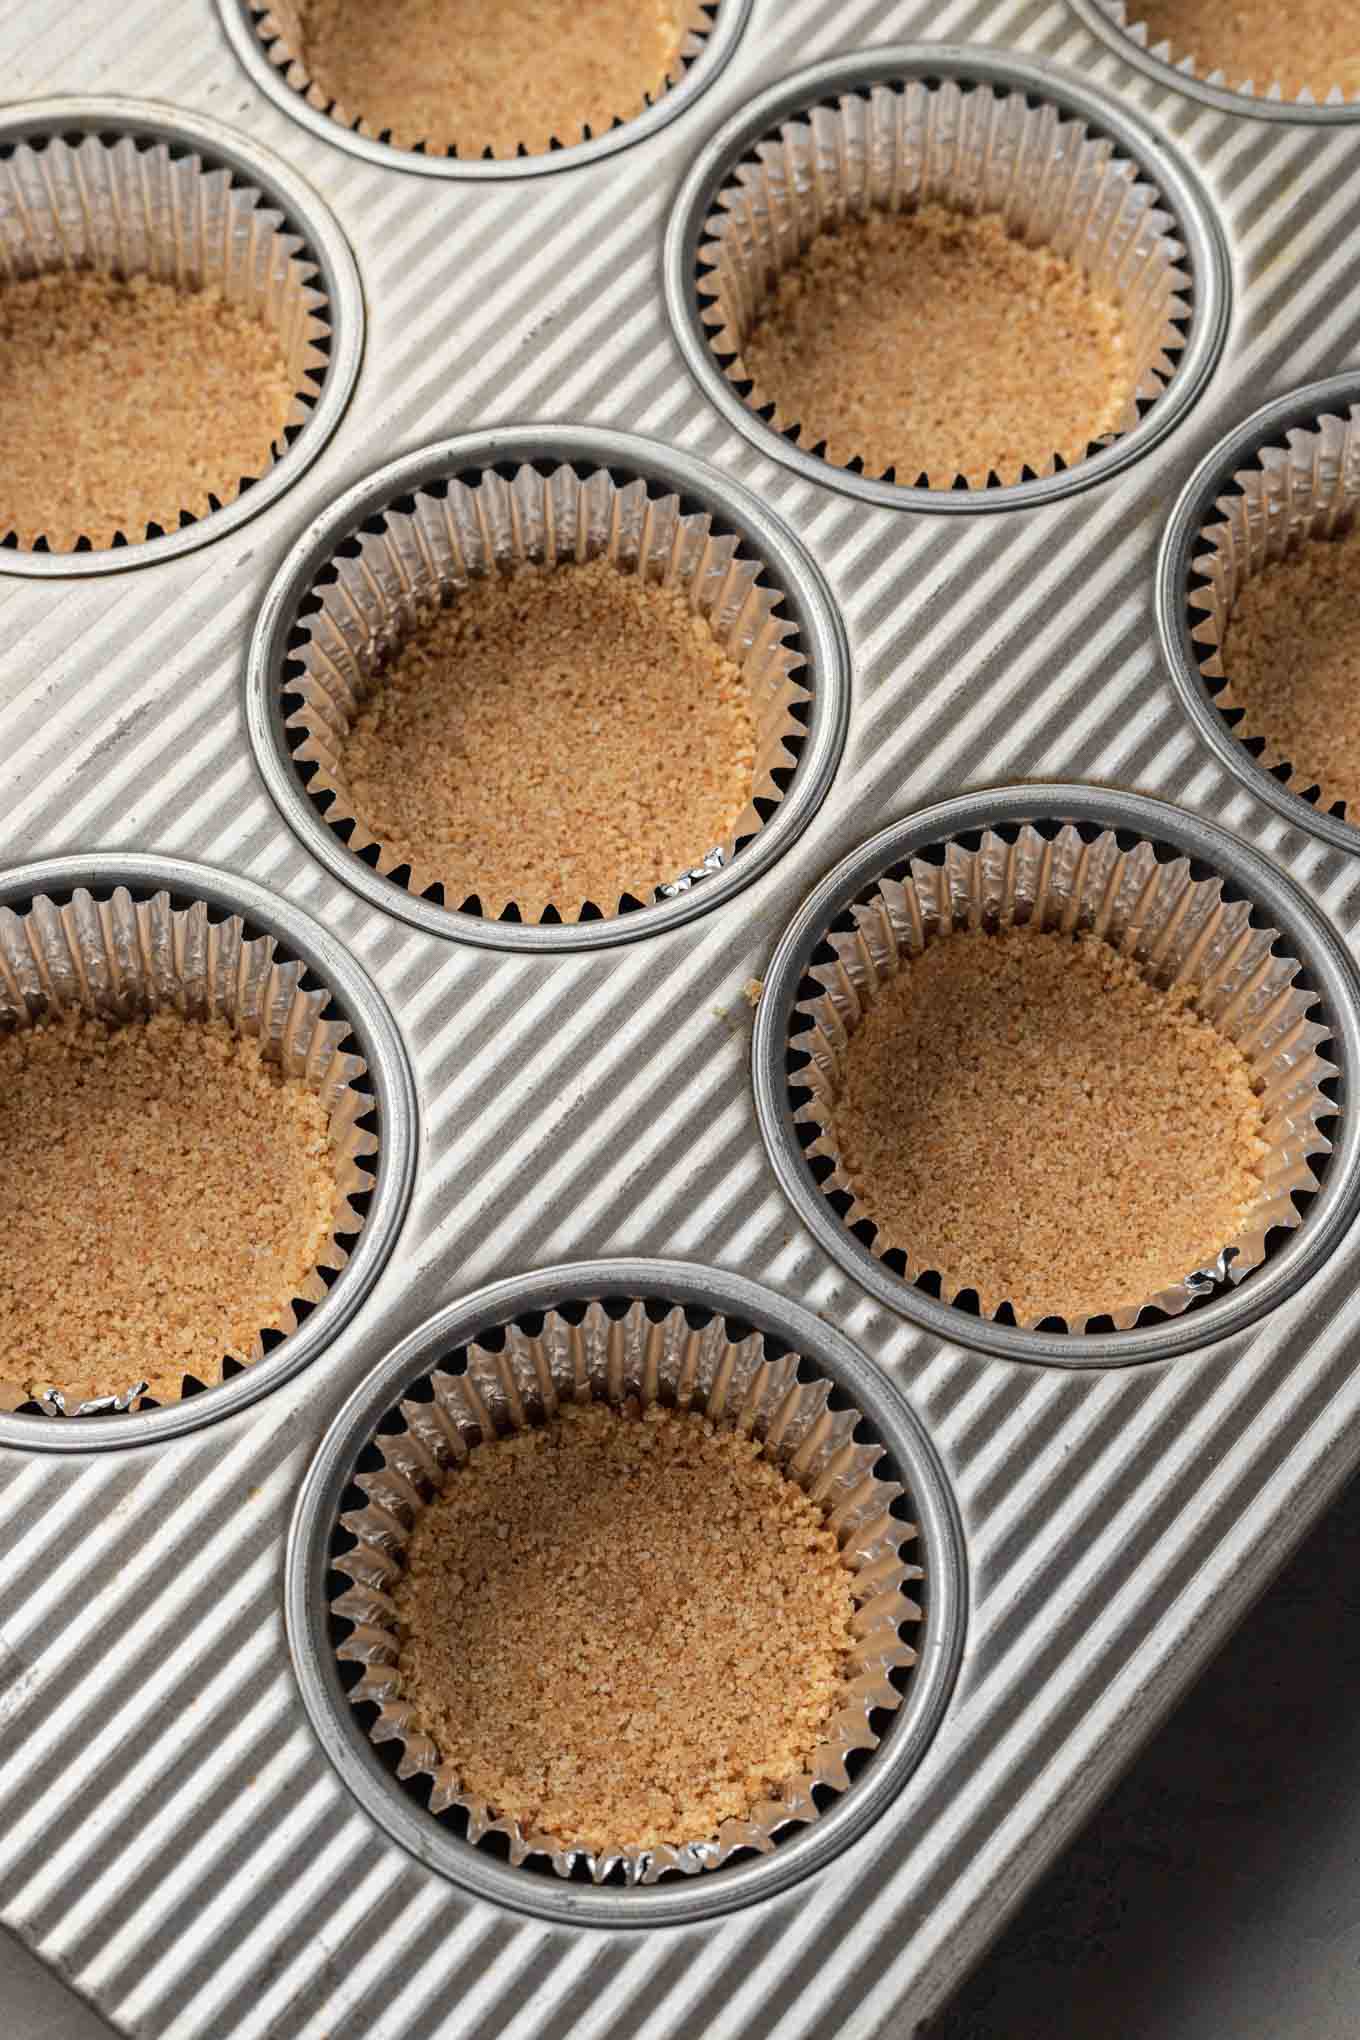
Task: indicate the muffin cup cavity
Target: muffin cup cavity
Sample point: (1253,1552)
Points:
(1177,930)
(1305,486)
(632,1362)
(427,555)
(280,31)
(1183,904)
(1124,17)
(420,533)
(983,135)
(128,208)
(896,148)
(119,189)
(120,960)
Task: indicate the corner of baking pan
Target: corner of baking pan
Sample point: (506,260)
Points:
(973,63)
(1316,944)
(717,1892)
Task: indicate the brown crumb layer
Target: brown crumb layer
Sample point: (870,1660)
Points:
(124,403)
(624,1630)
(1312,43)
(554,737)
(1291,652)
(937,344)
(1027,1115)
(459,74)
(167,1191)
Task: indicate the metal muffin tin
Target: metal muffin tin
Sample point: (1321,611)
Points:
(937,1548)
(179,1844)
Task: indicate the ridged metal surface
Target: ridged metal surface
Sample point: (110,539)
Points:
(175,1843)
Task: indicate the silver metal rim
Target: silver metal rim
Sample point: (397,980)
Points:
(304,212)
(1323,957)
(939,1643)
(382,1049)
(1195,225)
(718,47)
(1193,509)
(1221,96)
(819,624)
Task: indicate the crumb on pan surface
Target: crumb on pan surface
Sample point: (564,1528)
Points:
(1312,44)
(1291,652)
(167,1192)
(1027,1115)
(553,737)
(622,1630)
(460,74)
(937,344)
(123,403)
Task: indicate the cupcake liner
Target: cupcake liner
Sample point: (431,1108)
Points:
(133,206)
(898,146)
(631,1361)
(278,27)
(1306,487)
(122,959)
(380,586)
(1126,19)
(1177,929)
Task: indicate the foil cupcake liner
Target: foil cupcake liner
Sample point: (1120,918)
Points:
(1177,928)
(133,205)
(975,147)
(121,959)
(1305,486)
(380,585)
(279,29)
(1126,20)
(631,1356)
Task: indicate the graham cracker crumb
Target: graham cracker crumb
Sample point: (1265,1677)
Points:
(167,1193)
(555,736)
(1027,1115)
(1309,43)
(937,344)
(124,403)
(623,1630)
(459,74)
(1291,652)
(754,988)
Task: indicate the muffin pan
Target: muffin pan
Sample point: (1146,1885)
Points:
(200,1835)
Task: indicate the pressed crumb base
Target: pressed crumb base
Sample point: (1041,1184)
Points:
(1309,43)
(124,403)
(1026,1115)
(1291,652)
(623,1630)
(937,344)
(167,1193)
(459,74)
(554,737)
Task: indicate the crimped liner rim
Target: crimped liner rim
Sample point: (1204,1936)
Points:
(1176,928)
(278,28)
(141,206)
(122,958)
(978,148)
(377,588)
(631,1362)
(1190,66)
(1305,487)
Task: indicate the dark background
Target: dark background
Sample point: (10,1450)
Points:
(1216,1895)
